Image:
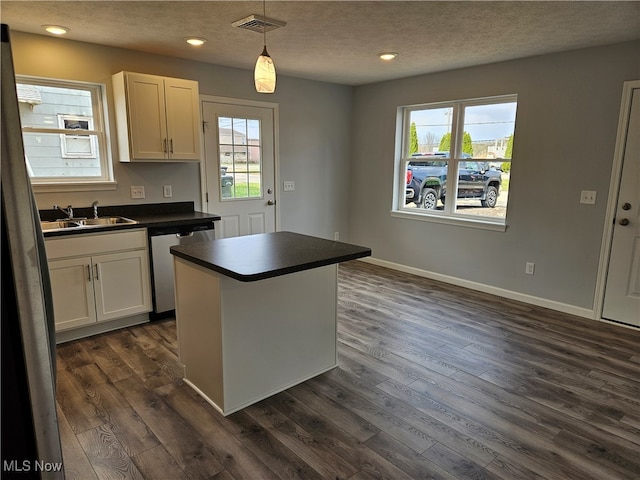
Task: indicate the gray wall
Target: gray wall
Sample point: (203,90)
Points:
(315,122)
(567,119)
(338,144)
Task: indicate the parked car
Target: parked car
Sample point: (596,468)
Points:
(426,180)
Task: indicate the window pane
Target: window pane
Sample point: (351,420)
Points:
(44,158)
(240,160)
(51,103)
(430,131)
(426,179)
(488,130)
(480,190)
(488,138)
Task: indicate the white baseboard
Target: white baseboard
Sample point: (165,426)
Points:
(100,327)
(481,287)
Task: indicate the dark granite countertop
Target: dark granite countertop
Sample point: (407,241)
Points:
(257,257)
(153,216)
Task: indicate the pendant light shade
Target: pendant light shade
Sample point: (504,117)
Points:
(265,73)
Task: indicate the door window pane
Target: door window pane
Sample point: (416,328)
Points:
(240,149)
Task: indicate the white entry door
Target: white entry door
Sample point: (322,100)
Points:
(239,167)
(622,289)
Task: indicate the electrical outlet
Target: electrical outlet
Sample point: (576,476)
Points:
(166,191)
(137,191)
(588,197)
(530,268)
(289,186)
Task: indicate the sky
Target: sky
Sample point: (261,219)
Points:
(483,122)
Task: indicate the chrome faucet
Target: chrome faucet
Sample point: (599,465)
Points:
(68,212)
(95,209)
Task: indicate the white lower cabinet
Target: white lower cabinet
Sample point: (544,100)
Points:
(98,277)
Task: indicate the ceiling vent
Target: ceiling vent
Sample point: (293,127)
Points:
(258,23)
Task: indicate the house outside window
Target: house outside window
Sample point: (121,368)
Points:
(462,146)
(78,144)
(64,132)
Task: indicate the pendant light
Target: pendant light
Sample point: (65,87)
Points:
(265,71)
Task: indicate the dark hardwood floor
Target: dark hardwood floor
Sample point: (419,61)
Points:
(435,381)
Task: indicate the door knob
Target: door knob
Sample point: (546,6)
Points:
(626,206)
(271,202)
(624,222)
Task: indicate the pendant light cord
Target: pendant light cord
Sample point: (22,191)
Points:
(264,23)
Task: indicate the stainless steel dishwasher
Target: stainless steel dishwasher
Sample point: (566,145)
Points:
(162,279)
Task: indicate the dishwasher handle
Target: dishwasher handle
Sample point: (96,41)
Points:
(184,235)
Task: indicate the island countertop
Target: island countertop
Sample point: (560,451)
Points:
(257,257)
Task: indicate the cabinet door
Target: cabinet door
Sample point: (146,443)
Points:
(72,289)
(146,117)
(183,119)
(122,284)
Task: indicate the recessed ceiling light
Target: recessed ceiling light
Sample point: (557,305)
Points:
(56,29)
(195,41)
(388,55)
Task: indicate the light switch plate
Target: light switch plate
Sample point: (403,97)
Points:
(167,191)
(289,186)
(588,197)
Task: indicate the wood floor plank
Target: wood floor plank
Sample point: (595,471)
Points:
(435,382)
(107,456)
(76,464)
(174,434)
(158,463)
(236,457)
(104,357)
(312,451)
(135,357)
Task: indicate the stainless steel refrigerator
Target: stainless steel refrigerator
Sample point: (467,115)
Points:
(30,437)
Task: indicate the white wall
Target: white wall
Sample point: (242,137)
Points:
(567,119)
(315,122)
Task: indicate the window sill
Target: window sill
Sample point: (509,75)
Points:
(496,225)
(73,187)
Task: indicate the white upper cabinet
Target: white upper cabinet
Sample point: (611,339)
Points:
(158,118)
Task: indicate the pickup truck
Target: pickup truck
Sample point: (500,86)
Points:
(427,181)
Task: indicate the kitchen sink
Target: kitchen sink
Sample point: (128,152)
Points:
(58,225)
(102,221)
(81,223)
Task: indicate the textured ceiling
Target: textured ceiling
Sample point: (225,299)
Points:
(338,41)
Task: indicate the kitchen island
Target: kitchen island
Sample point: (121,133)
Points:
(257,314)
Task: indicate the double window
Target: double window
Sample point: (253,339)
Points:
(462,147)
(64,132)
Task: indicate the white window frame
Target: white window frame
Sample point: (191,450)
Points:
(449,215)
(64,138)
(98,127)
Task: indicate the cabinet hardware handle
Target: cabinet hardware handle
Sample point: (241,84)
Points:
(164,145)
(88,272)
(97,271)
(171,146)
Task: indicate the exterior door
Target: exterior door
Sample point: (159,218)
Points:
(239,151)
(622,288)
